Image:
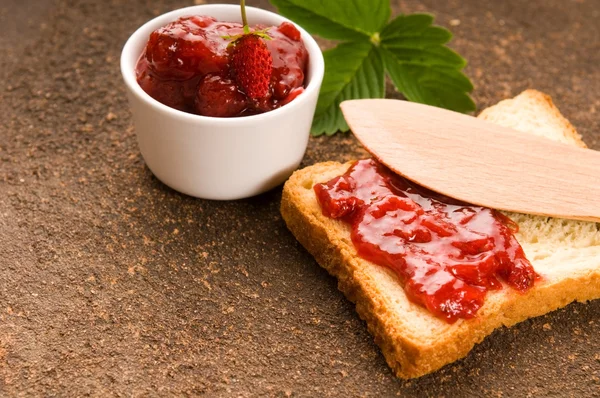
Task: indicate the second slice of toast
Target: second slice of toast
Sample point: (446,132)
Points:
(414,342)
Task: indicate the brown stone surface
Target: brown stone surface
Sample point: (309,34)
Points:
(112,284)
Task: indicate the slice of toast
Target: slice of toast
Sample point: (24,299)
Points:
(414,342)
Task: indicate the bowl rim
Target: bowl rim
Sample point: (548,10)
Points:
(316,66)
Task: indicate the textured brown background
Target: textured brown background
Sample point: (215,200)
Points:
(113,284)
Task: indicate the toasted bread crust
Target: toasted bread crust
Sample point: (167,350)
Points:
(544,105)
(409,357)
(412,340)
(316,238)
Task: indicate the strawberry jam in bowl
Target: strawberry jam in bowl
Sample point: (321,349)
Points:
(222,110)
(204,66)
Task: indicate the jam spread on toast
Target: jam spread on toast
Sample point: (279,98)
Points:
(447,254)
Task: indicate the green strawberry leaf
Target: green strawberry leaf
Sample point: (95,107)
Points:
(354,70)
(421,67)
(343,20)
(410,49)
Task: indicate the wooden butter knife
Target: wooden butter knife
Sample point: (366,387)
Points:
(477,161)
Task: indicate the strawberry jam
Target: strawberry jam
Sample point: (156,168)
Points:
(446,253)
(187,65)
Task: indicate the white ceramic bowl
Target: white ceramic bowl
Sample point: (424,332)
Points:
(221,158)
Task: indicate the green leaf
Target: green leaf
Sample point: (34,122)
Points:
(344,20)
(411,24)
(421,66)
(353,70)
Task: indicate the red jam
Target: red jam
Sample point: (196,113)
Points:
(447,254)
(186,66)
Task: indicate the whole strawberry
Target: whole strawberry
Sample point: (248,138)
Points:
(251,61)
(252,66)
(218,96)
